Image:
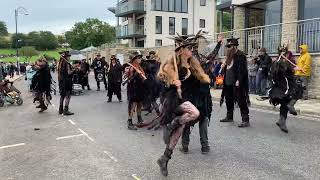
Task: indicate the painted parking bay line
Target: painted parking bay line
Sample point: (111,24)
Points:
(67,137)
(110,156)
(13,145)
(135,177)
(86,134)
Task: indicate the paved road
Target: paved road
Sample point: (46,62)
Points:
(95,144)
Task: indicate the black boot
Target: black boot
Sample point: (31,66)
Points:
(169,128)
(163,162)
(43,107)
(140,121)
(184,149)
(130,125)
(66,111)
(282,124)
(109,100)
(39,106)
(245,121)
(228,118)
(291,108)
(205,149)
(60,109)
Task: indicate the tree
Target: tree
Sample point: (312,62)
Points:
(21,40)
(28,52)
(4,43)
(62,39)
(92,32)
(3,29)
(47,41)
(33,39)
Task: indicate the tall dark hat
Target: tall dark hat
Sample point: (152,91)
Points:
(232,42)
(182,41)
(65,54)
(134,55)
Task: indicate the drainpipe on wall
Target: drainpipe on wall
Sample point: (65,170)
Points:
(193,15)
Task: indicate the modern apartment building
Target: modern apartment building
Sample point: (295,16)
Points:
(269,23)
(150,23)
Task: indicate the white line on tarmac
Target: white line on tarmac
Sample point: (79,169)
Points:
(86,134)
(135,177)
(53,105)
(110,156)
(13,145)
(73,123)
(67,137)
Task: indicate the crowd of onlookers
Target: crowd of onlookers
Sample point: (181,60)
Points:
(259,67)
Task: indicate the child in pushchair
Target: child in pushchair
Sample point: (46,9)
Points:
(76,80)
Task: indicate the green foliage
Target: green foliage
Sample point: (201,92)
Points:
(226,21)
(92,32)
(47,41)
(22,38)
(4,43)
(61,39)
(28,52)
(3,29)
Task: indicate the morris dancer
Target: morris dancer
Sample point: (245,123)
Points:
(183,77)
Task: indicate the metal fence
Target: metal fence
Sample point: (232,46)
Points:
(271,36)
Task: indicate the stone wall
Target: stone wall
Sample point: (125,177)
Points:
(315,77)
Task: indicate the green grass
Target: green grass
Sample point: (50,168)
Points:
(53,53)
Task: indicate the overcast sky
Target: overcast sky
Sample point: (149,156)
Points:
(57,16)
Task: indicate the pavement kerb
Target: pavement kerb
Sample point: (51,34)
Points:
(277,109)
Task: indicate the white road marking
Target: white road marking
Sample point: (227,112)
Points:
(13,145)
(135,177)
(86,134)
(73,123)
(110,156)
(53,105)
(306,117)
(67,137)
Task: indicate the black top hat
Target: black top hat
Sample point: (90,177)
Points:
(65,53)
(134,55)
(232,42)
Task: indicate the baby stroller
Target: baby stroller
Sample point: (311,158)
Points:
(76,80)
(9,93)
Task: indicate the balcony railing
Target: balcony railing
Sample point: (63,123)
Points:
(130,31)
(270,36)
(129,7)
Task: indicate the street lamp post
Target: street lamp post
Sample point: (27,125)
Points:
(16,13)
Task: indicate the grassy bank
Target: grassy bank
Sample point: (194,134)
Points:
(52,53)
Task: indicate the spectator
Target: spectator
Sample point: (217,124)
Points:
(2,77)
(11,68)
(264,63)
(303,69)
(253,69)
(30,72)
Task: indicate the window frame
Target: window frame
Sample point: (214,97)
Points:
(182,27)
(160,24)
(174,26)
(203,2)
(158,40)
(204,23)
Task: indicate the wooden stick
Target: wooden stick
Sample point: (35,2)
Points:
(177,76)
(291,62)
(138,71)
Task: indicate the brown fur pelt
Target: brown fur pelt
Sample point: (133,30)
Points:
(167,70)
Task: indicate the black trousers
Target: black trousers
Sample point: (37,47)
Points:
(114,88)
(230,95)
(284,108)
(203,131)
(104,81)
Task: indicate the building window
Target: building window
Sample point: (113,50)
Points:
(172,25)
(156,5)
(158,24)
(309,9)
(171,5)
(158,42)
(203,2)
(165,5)
(184,26)
(178,5)
(184,7)
(202,23)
